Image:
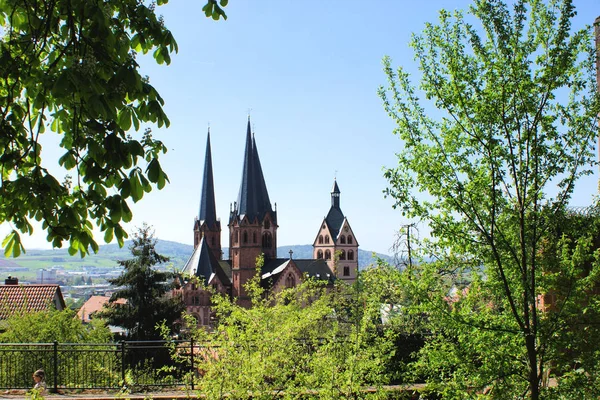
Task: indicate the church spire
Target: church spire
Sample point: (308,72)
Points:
(208,209)
(253,199)
(335,195)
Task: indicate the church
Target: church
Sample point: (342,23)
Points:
(253,231)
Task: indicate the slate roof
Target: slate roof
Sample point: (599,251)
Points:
(204,264)
(253,198)
(29,298)
(335,216)
(208,209)
(313,268)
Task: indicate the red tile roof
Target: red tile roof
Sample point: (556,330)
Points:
(29,298)
(94,304)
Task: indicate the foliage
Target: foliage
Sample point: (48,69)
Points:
(491,172)
(69,67)
(49,326)
(145,290)
(312,338)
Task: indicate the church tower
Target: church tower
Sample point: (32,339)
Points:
(336,240)
(252,222)
(206,225)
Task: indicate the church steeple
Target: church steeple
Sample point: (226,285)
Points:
(335,237)
(253,198)
(206,225)
(208,209)
(252,222)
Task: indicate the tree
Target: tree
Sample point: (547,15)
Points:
(49,326)
(145,290)
(490,171)
(69,67)
(312,337)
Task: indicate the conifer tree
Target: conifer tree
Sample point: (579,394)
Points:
(145,290)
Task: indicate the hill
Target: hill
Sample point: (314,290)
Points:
(26,266)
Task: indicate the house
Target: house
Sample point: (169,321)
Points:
(16,298)
(253,227)
(93,305)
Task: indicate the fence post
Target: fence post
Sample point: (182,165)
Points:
(55,367)
(192,361)
(123,361)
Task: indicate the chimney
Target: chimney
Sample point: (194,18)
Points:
(11,281)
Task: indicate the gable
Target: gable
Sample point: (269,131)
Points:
(324,232)
(290,273)
(345,231)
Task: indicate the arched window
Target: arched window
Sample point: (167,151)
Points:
(342,239)
(346,271)
(327,255)
(320,239)
(350,255)
(320,254)
(326,239)
(267,240)
(342,255)
(267,224)
(349,239)
(237,236)
(253,237)
(290,282)
(245,237)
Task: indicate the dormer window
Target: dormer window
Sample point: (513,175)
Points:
(342,239)
(349,239)
(320,239)
(326,239)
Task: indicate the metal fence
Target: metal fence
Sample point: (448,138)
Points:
(98,366)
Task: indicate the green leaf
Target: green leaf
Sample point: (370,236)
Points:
(125,188)
(137,191)
(12,245)
(108,235)
(162,180)
(68,160)
(153,170)
(124,118)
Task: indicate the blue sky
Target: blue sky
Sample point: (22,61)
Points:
(309,73)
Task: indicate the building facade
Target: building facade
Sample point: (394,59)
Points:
(252,228)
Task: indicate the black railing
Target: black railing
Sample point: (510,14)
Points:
(98,366)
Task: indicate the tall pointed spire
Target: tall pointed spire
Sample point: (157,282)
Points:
(253,198)
(208,209)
